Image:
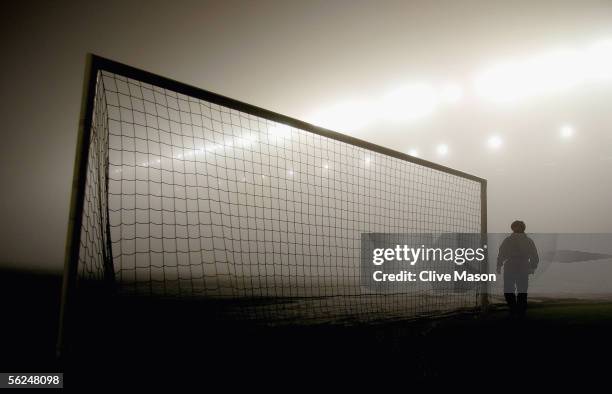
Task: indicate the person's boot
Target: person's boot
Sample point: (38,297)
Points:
(511,300)
(521,305)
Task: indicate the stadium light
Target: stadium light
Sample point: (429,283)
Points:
(442,149)
(566,131)
(494,142)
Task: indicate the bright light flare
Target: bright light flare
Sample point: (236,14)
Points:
(451,93)
(350,115)
(566,132)
(598,58)
(539,75)
(405,103)
(408,102)
(548,73)
(494,142)
(442,150)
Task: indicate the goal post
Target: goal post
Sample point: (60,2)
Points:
(179,191)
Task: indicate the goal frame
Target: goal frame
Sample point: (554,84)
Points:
(95,64)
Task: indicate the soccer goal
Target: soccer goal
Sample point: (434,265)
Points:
(180,192)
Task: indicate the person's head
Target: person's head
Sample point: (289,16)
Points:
(518,226)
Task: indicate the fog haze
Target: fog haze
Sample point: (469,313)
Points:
(299,59)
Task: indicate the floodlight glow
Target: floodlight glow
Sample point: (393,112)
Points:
(548,73)
(599,60)
(413,152)
(442,149)
(494,142)
(408,102)
(349,115)
(451,93)
(566,131)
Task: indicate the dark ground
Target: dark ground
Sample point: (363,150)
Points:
(174,343)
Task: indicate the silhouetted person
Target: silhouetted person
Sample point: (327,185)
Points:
(519,257)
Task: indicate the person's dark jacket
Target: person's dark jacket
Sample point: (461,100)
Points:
(518,253)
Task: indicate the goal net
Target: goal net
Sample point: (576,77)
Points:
(185,193)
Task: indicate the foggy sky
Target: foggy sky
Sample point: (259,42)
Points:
(296,57)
